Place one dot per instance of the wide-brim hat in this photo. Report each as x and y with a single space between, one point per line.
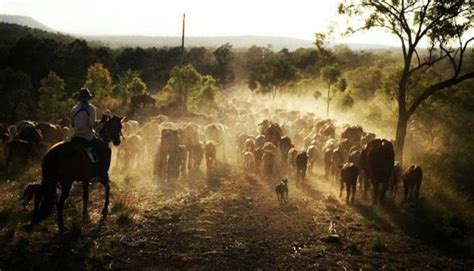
83 94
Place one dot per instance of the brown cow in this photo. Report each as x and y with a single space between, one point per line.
273 133
166 165
377 159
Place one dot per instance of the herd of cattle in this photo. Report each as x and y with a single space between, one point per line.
272 144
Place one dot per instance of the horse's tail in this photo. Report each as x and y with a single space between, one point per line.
46 196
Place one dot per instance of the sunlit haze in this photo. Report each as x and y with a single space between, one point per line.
297 19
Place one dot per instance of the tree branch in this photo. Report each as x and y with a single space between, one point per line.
430 62
437 87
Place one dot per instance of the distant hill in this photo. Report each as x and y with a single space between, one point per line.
24 21
11 33
277 43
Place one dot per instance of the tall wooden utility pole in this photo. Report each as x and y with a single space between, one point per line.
182 39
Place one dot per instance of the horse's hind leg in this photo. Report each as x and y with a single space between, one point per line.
106 184
66 188
85 200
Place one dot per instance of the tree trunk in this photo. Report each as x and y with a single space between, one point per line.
400 136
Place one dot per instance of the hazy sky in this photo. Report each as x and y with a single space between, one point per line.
295 18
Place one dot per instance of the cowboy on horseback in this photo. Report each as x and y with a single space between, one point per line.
66 163
83 120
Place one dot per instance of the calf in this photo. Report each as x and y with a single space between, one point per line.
281 190
412 182
349 175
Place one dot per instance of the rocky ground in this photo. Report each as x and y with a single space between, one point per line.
230 221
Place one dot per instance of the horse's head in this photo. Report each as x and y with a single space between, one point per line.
112 130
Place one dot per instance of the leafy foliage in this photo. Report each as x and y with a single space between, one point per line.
445 25
52 104
15 87
129 84
269 72
99 82
331 75
190 87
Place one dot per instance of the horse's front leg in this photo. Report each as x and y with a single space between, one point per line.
85 200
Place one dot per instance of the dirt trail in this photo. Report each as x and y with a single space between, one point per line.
230 222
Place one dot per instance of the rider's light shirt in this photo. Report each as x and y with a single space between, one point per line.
83 116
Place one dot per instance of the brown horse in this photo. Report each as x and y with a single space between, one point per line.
65 163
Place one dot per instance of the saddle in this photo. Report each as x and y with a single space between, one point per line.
85 146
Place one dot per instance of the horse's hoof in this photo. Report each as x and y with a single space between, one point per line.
105 212
86 219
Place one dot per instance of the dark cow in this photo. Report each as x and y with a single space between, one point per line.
349 175
301 165
377 160
273 133
327 130
30 134
353 134
345 146
27 146
52 134
142 100
412 182
367 137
